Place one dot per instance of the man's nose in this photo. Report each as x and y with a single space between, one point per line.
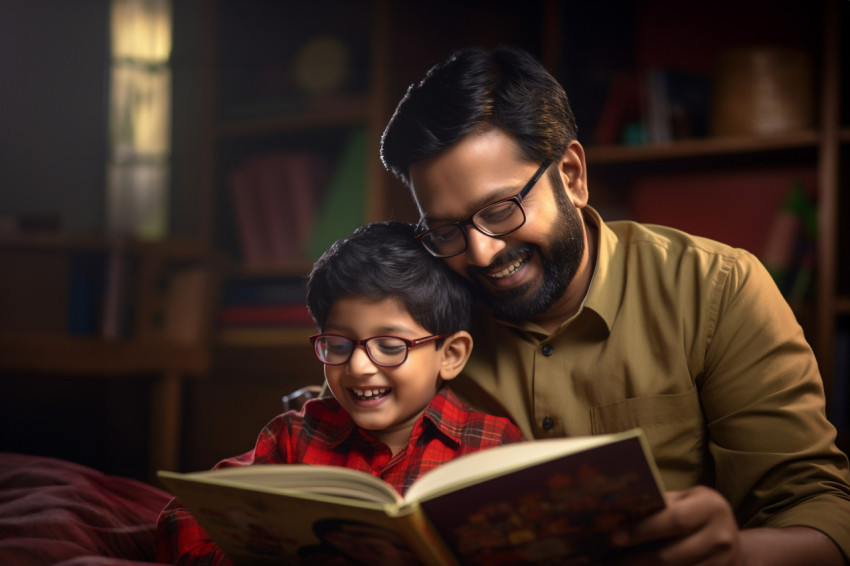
482 248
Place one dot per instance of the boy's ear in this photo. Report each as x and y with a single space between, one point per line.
456 350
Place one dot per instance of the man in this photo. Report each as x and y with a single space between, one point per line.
595 327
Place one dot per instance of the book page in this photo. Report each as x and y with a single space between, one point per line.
264 526
323 480
479 466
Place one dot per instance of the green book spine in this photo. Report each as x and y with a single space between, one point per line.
343 207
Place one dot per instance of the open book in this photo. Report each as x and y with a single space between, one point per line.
543 502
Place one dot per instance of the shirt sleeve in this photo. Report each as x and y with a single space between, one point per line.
180 539
772 445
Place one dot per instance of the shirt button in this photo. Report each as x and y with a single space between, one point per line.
547 350
548 423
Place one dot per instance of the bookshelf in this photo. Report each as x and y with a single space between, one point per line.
252 110
585 45
114 309
820 151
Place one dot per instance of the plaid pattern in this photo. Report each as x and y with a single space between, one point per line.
323 433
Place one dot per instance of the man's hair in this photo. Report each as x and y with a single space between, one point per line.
476 90
383 260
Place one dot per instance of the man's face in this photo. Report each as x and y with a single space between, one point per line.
525 273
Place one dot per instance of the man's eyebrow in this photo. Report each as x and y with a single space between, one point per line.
491 197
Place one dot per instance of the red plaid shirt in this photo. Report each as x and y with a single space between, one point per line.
323 433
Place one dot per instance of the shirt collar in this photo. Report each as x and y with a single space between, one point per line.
605 292
607 287
442 414
438 416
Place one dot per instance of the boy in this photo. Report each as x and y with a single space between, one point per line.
394 328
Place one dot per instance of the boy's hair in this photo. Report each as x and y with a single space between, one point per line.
476 90
384 260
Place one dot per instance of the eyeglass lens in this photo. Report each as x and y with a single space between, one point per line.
497 219
382 350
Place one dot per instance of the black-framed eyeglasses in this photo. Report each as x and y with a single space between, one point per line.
384 351
495 219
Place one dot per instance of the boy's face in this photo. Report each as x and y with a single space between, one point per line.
385 401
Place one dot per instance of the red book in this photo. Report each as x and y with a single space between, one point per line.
249 218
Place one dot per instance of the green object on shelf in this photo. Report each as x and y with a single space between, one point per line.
343 208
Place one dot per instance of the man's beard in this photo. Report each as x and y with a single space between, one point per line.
566 246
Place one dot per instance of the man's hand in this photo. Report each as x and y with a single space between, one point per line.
696 527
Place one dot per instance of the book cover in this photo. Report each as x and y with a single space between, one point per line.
270 175
250 223
676 105
87 287
542 502
343 207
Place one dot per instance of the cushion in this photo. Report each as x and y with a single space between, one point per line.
54 511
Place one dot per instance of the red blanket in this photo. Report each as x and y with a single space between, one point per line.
53 511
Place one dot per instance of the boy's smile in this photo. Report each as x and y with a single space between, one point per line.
386 401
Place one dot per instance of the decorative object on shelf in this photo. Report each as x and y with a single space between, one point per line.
762 91
322 66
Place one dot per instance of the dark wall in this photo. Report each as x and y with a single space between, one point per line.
53 85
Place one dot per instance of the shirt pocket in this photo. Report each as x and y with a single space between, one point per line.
675 428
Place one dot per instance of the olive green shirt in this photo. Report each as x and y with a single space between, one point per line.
691 340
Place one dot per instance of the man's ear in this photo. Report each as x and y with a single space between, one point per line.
456 350
573 169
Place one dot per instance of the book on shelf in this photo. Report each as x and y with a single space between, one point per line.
88 311
789 248
265 315
342 209
117 312
265 290
190 289
247 209
275 199
621 108
541 502
676 105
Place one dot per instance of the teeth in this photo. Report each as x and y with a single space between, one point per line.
509 270
370 393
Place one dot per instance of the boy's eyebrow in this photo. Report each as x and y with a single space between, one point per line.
380 331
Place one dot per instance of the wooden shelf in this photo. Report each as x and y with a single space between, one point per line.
690 148
79 355
340 111
265 337
293 268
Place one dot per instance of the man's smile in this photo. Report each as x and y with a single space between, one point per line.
511 268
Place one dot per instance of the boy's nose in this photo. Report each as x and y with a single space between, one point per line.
359 363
